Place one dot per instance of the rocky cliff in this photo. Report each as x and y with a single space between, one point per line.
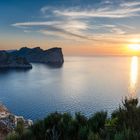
11 61
38 55
9 121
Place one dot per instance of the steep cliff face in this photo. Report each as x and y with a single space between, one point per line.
11 61
54 55
51 56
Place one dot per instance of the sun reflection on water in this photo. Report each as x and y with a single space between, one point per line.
133 76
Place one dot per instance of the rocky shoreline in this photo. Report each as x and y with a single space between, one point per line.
8 121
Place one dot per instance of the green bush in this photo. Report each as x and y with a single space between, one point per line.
97 121
12 136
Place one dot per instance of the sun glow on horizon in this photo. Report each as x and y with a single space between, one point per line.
135 44
135 47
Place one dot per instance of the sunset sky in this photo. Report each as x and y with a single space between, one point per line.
80 27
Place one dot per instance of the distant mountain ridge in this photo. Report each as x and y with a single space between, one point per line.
38 55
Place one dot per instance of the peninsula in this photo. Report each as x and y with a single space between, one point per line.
23 57
38 55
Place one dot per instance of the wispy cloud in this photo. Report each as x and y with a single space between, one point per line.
26 24
70 28
130 4
81 22
122 11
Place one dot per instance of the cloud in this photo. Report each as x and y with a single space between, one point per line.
122 11
107 9
44 9
70 28
77 22
118 31
26 24
130 4
65 34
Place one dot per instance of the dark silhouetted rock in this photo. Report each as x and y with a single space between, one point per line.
53 56
12 61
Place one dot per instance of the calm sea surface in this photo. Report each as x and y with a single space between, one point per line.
85 84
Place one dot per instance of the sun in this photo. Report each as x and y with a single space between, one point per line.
135 47
134 44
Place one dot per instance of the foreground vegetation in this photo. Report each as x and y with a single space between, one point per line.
124 124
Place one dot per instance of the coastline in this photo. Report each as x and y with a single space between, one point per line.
8 121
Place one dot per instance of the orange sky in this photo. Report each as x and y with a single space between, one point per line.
106 45
74 49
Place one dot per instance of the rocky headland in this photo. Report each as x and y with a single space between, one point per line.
38 55
23 57
8 60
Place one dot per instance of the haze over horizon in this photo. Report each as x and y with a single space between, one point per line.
99 27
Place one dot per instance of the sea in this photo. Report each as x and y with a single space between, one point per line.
82 84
